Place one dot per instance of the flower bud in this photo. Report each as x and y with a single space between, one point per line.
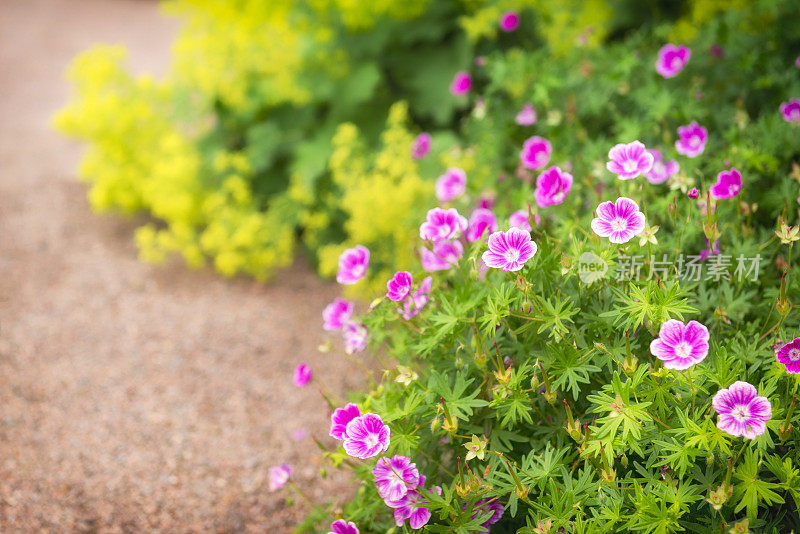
693 193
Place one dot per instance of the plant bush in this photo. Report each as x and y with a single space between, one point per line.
625 368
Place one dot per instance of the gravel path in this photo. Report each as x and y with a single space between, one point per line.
133 398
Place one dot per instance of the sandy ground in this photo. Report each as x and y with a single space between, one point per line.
133 398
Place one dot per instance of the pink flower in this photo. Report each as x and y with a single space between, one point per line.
302 375
451 184
535 152
629 160
407 507
395 476
485 505
527 116
462 83
399 286
797 61
340 418
353 265
681 345
421 146
279 476
519 219
741 411
728 185
692 140
791 110
355 337
509 21
481 223
693 193
618 221
661 170
672 59
712 249
340 526
366 436
444 256
487 200
336 314
414 304
441 224
789 355
509 250
552 187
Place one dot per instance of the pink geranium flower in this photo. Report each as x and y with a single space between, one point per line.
661 170
481 223
509 21
509 250
355 337
681 345
302 375
552 187
279 476
353 265
618 221
692 140
395 476
336 314
693 193
441 224
414 304
535 152
444 256
741 411
399 286
519 219
340 526
789 355
451 184
527 116
672 59
366 436
340 418
462 83
408 507
791 110
630 160
728 185
421 146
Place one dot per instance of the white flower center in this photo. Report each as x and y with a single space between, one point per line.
683 350
694 141
794 355
659 168
795 114
512 256
629 165
619 224
740 412
371 440
675 63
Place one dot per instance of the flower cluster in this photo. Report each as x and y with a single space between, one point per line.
362 436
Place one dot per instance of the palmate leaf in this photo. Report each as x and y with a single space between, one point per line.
460 403
570 369
752 490
654 301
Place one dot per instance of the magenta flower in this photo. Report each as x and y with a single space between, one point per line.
353 265
414 304
741 411
712 249
519 219
509 21
487 199
693 193
408 507
355 337
366 436
789 355
340 418
336 314
486 505
461 84
791 110
552 187
509 250
797 61
527 116
444 256
441 224
692 140
681 345
340 526
728 185
279 476
481 223
399 286
451 184
661 170
394 477
302 375
629 160
535 152
421 146
618 221
672 59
